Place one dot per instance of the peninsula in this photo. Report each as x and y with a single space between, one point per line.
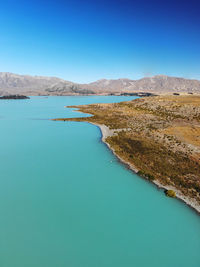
157 137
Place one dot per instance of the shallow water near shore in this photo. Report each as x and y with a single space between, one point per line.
65 200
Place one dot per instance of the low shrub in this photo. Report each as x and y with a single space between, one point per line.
170 193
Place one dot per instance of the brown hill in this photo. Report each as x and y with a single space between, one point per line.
37 85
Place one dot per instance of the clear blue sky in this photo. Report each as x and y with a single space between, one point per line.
83 41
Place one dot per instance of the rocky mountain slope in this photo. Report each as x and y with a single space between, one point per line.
163 83
155 84
11 83
37 85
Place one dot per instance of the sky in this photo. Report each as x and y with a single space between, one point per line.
83 41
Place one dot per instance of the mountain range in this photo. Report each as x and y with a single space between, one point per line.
11 83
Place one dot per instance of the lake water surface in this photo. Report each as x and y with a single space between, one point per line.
65 200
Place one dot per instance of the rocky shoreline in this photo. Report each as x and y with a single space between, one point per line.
106 132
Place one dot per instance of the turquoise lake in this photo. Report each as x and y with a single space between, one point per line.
66 201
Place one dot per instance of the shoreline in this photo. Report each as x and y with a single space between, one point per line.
105 132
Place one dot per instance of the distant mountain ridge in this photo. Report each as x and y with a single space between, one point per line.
11 83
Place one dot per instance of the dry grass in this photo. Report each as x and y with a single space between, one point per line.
189 134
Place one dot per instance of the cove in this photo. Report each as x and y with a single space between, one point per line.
65 200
